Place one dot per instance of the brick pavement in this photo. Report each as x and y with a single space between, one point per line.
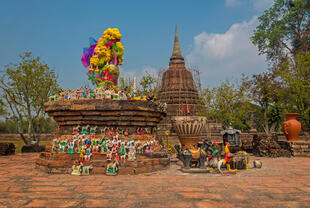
282 182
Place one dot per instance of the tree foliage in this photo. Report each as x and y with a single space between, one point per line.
227 104
2 108
284 30
295 94
147 84
25 86
263 90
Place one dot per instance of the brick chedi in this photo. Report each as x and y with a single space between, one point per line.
178 89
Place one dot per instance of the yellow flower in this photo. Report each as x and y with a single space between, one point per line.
112 34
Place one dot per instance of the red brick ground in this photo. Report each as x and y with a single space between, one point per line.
282 182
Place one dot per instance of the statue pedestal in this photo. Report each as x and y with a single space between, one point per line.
188 142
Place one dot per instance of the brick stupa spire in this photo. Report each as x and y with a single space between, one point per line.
178 89
176 53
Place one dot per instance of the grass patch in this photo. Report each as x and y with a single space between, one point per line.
19 144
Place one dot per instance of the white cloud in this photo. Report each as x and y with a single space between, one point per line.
221 56
258 5
261 5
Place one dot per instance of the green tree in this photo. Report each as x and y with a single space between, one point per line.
284 30
147 84
2 108
227 104
263 90
26 86
295 94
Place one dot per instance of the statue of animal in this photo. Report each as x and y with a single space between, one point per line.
113 167
191 156
225 161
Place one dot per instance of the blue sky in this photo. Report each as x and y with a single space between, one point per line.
214 34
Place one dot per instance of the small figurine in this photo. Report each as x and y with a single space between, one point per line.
76 169
112 168
115 141
76 130
122 150
131 156
215 150
95 149
93 141
116 96
140 131
63 146
126 133
81 158
226 160
104 146
88 142
87 158
148 149
71 148
84 130
116 157
131 151
91 94
123 157
109 155
85 169
93 130
55 144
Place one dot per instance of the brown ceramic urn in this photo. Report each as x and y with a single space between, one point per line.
291 127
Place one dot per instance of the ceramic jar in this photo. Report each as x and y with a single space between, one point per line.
291 127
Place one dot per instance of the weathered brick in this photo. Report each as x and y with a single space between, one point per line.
68 163
98 170
99 156
126 171
56 163
156 161
98 163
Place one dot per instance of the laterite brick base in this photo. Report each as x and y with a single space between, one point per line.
297 148
61 163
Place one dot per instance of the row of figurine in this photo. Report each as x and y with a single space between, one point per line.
98 93
79 168
108 131
86 145
115 149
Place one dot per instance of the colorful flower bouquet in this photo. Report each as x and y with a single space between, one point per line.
102 58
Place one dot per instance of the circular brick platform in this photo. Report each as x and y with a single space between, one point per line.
124 114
